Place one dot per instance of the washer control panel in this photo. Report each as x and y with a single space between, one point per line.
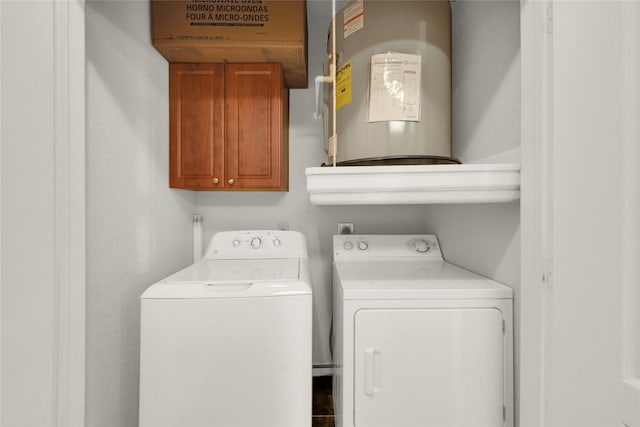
257 244
357 246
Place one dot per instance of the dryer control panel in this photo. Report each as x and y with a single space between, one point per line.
388 246
257 244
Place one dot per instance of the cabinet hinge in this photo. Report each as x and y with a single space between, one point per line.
504 413
504 327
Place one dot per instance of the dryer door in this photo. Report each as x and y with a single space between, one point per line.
429 367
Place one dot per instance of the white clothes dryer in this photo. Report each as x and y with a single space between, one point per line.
418 341
227 341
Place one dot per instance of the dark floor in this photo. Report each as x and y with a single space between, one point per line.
322 402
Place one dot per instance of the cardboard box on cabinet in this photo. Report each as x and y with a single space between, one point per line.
234 31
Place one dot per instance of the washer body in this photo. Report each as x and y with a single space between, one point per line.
227 341
418 341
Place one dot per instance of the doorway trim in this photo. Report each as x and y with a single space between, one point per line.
69 211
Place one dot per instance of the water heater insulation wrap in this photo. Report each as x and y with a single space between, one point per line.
371 28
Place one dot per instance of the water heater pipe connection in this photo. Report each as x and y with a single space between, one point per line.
198 237
321 107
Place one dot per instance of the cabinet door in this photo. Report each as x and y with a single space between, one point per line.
196 111
429 368
256 139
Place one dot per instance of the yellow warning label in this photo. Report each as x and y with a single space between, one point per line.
343 85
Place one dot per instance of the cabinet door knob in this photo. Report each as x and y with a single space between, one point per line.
216 180
230 181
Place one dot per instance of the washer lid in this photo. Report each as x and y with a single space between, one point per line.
411 278
238 270
225 290
235 278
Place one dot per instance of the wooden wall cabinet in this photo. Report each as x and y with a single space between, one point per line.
229 127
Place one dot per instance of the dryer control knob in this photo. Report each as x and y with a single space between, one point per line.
348 245
276 242
256 243
363 246
236 243
422 246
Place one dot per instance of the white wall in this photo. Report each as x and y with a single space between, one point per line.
138 230
28 241
486 80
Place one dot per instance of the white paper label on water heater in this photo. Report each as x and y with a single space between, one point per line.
394 89
353 18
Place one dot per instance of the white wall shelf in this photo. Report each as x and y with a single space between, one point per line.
424 184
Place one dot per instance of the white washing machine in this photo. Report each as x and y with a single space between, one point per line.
418 341
226 342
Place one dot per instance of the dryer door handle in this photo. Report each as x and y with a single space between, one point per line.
372 371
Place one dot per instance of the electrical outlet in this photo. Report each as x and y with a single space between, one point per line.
346 228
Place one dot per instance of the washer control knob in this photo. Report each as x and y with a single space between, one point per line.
276 242
422 246
236 243
256 243
363 246
348 245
